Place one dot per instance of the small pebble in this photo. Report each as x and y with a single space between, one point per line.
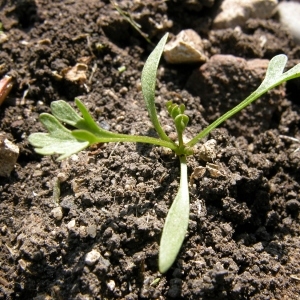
71 225
111 285
57 213
289 13
22 264
232 13
186 47
92 257
62 177
92 231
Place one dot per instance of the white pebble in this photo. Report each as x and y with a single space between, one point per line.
111 285
92 257
234 13
289 17
71 224
57 213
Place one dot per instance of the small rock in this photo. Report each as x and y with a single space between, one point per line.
186 47
71 225
92 257
82 231
207 151
4 229
92 231
9 154
111 285
289 13
57 213
22 264
287 221
62 177
3 37
76 73
234 13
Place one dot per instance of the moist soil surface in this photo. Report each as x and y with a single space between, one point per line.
243 235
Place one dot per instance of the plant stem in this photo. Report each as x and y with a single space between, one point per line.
224 117
110 137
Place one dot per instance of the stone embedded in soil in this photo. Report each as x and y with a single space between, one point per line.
111 285
71 225
92 257
186 47
92 231
289 17
57 213
76 73
234 13
9 154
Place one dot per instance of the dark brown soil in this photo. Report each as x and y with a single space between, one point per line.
243 237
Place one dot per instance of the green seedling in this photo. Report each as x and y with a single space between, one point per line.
65 142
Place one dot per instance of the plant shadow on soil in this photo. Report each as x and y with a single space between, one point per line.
242 241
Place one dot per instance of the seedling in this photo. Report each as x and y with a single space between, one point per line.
65 142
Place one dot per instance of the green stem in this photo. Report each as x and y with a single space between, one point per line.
114 138
273 78
255 95
180 140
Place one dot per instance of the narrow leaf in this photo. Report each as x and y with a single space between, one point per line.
176 223
148 81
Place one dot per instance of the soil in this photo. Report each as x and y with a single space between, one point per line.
243 236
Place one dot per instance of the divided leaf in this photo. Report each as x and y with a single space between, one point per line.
59 140
65 113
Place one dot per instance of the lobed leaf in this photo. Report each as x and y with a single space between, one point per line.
59 140
65 113
275 76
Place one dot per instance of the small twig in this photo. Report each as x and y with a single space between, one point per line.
289 138
130 20
113 150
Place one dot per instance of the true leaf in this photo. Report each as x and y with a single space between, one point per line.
65 113
58 140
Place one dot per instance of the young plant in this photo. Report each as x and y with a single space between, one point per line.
65 142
